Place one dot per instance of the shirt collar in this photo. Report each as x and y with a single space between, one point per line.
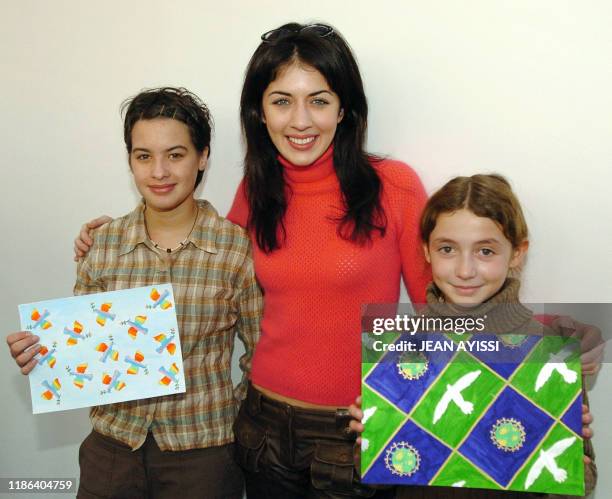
203 235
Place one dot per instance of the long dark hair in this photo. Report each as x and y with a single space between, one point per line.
265 185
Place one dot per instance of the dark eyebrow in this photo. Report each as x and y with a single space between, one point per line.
483 241
176 147
287 94
488 241
142 149
320 92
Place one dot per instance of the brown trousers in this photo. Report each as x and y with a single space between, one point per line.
288 452
111 469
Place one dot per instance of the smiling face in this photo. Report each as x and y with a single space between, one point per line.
164 162
301 113
470 257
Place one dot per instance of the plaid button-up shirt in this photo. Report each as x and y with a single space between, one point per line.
216 296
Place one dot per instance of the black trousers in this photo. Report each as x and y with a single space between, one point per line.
111 469
289 452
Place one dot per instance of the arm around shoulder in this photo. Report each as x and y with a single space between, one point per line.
250 309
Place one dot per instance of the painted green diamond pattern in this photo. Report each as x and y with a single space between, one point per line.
486 431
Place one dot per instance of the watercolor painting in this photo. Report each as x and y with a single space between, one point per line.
104 348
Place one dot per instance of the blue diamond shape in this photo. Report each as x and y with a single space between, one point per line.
508 359
405 393
573 416
479 447
432 455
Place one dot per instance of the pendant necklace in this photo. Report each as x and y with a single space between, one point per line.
181 245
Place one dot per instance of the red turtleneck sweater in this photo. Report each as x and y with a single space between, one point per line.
315 284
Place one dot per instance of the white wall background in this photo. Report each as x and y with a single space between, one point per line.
523 88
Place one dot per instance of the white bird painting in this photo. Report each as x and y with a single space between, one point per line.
365 444
546 459
453 392
368 413
460 483
556 362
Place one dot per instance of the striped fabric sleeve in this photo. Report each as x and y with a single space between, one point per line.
248 325
85 284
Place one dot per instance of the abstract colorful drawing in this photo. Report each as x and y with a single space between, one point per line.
52 390
165 342
170 375
136 326
40 320
46 356
136 363
103 313
92 360
79 375
108 352
160 300
114 382
473 419
75 334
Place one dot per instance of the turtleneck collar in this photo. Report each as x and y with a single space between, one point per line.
504 313
318 174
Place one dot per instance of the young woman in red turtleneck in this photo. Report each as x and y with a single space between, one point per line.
333 228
